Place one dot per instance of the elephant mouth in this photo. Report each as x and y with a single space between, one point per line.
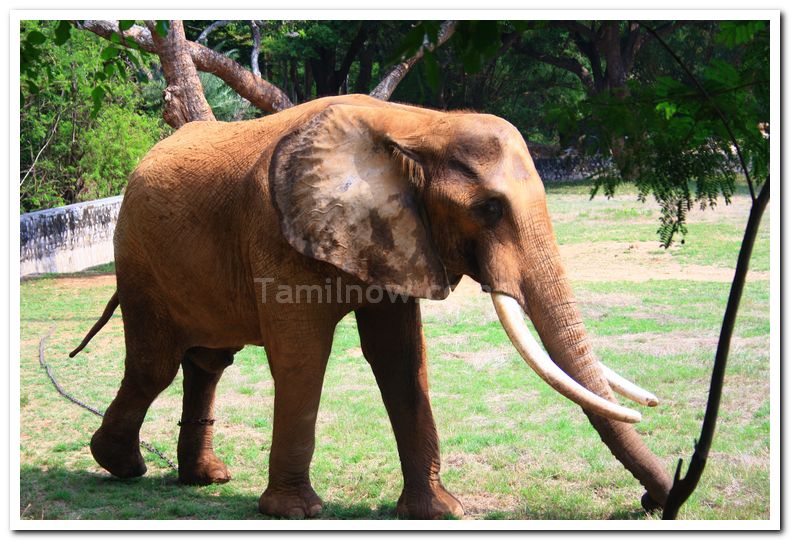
511 316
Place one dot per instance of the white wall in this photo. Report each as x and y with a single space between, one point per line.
68 239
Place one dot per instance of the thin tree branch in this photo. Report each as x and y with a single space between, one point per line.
46 144
565 63
209 29
389 82
351 53
256 48
259 92
683 487
711 102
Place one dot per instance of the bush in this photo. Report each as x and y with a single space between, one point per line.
113 148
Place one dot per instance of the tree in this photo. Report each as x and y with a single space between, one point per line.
69 148
185 100
178 71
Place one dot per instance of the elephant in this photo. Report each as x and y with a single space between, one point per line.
350 191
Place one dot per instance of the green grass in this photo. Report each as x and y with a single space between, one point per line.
511 447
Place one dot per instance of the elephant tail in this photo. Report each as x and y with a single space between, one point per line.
112 304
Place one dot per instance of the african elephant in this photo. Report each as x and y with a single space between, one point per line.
351 192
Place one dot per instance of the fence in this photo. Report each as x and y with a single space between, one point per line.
68 239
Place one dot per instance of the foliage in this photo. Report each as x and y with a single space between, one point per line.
659 130
669 138
112 148
70 149
226 104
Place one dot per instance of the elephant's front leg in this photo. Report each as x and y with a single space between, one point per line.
391 335
298 359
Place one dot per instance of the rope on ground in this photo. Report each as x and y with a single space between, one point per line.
41 346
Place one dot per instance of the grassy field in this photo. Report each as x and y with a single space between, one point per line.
511 447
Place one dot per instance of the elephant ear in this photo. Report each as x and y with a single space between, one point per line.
346 188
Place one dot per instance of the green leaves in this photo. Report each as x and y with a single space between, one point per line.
36 38
97 96
424 33
476 42
668 137
109 52
62 32
125 25
431 69
733 33
414 40
162 28
667 108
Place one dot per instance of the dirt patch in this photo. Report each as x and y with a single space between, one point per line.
465 298
479 504
86 282
656 344
499 402
614 261
481 360
355 353
742 397
459 460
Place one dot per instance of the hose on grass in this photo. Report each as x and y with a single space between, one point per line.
41 346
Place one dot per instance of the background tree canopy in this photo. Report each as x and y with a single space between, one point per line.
92 92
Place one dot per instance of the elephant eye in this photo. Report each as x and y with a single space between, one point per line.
491 211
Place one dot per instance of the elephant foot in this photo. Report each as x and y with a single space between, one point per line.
120 457
430 504
290 502
205 470
649 504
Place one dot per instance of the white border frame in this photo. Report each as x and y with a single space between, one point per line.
773 523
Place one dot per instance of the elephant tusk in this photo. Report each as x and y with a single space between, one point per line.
626 388
512 318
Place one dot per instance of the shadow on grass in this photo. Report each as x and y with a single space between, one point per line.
60 493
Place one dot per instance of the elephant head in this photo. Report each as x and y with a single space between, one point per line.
412 199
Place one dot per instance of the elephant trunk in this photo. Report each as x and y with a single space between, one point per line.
548 300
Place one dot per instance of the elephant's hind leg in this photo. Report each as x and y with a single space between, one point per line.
198 465
116 445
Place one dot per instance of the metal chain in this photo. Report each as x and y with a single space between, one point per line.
147 446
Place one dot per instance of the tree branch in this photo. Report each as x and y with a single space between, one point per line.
389 82
354 48
259 92
46 144
565 63
256 48
209 29
683 487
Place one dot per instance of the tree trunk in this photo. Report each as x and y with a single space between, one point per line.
308 82
184 99
299 96
363 83
616 74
